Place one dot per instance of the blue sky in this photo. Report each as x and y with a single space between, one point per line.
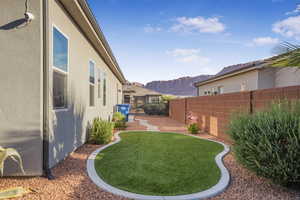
167 39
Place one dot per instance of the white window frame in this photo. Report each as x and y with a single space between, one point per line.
90 83
54 68
104 96
156 101
99 83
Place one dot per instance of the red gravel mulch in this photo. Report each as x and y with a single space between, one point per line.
72 181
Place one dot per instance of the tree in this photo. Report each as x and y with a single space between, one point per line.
288 55
166 98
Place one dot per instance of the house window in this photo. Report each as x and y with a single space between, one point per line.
127 99
104 89
99 83
154 100
92 82
220 90
60 69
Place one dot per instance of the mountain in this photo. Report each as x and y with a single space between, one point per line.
179 87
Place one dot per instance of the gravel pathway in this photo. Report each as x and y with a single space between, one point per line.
72 181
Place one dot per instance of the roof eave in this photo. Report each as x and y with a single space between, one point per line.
153 95
83 16
225 76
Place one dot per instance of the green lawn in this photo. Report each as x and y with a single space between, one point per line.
159 163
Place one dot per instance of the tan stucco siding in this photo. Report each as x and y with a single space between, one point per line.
266 78
68 127
21 85
287 76
232 84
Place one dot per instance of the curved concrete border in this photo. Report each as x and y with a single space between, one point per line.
213 191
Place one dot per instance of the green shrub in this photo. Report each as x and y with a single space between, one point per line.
167 98
193 128
268 142
155 109
118 117
101 131
120 125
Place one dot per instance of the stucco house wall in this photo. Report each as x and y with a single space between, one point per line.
232 84
287 76
262 78
266 78
68 127
26 84
21 108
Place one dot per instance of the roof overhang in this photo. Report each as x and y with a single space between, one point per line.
153 95
225 76
84 18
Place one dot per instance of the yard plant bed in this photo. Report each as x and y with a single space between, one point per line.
155 163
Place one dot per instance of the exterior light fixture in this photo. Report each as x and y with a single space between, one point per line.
29 17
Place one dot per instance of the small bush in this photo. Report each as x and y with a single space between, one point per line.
268 142
101 132
193 128
120 125
155 109
118 117
119 121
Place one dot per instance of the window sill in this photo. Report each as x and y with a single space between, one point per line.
61 109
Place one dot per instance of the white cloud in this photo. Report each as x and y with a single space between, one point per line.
151 29
198 24
262 41
296 11
190 56
289 27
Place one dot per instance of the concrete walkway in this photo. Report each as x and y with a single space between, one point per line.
149 126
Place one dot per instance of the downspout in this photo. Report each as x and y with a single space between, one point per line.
46 169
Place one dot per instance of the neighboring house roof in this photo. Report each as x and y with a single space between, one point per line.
233 69
275 61
81 13
139 91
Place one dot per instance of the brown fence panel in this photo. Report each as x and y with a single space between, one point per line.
262 99
177 110
214 112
